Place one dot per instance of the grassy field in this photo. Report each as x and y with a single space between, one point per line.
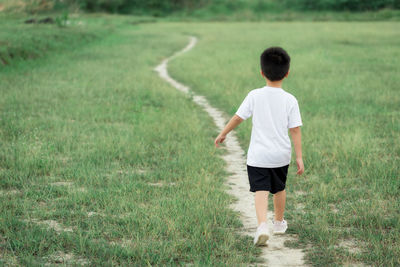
37 39
103 163
119 165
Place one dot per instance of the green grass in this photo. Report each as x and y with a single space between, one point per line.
100 118
37 40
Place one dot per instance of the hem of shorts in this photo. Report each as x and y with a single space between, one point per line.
269 166
263 189
258 189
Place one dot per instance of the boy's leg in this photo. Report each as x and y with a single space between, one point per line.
279 204
261 203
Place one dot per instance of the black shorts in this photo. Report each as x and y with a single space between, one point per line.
268 179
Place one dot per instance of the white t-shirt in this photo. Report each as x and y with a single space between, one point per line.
274 111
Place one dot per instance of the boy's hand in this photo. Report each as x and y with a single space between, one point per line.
300 166
235 121
220 138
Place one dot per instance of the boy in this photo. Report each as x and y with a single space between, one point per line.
274 111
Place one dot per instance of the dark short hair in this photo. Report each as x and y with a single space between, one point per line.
275 63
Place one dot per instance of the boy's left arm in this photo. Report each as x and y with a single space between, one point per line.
296 138
235 121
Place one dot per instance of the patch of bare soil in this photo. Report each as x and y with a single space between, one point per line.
65 183
350 245
122 242
51 224
9 192
161 184
63 258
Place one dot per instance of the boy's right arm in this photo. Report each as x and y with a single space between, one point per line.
296 138
235 121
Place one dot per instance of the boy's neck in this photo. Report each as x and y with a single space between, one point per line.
277 84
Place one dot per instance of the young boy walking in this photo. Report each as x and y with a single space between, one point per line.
274 112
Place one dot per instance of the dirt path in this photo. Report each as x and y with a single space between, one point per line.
275 254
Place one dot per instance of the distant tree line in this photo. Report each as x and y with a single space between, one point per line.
138 6
164 7
344 5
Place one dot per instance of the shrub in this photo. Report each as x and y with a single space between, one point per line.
127 6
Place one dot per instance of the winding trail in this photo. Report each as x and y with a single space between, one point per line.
275 254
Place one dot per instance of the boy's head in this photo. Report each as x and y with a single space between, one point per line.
275 63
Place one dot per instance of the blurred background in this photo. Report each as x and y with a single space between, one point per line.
201 8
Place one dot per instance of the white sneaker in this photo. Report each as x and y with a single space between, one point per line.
280 227
262 235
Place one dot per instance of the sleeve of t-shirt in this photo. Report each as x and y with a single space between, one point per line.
294 116
245 110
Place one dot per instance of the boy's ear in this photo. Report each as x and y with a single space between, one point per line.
262 73
287 74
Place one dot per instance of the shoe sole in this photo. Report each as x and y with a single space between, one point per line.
279 232
262 239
